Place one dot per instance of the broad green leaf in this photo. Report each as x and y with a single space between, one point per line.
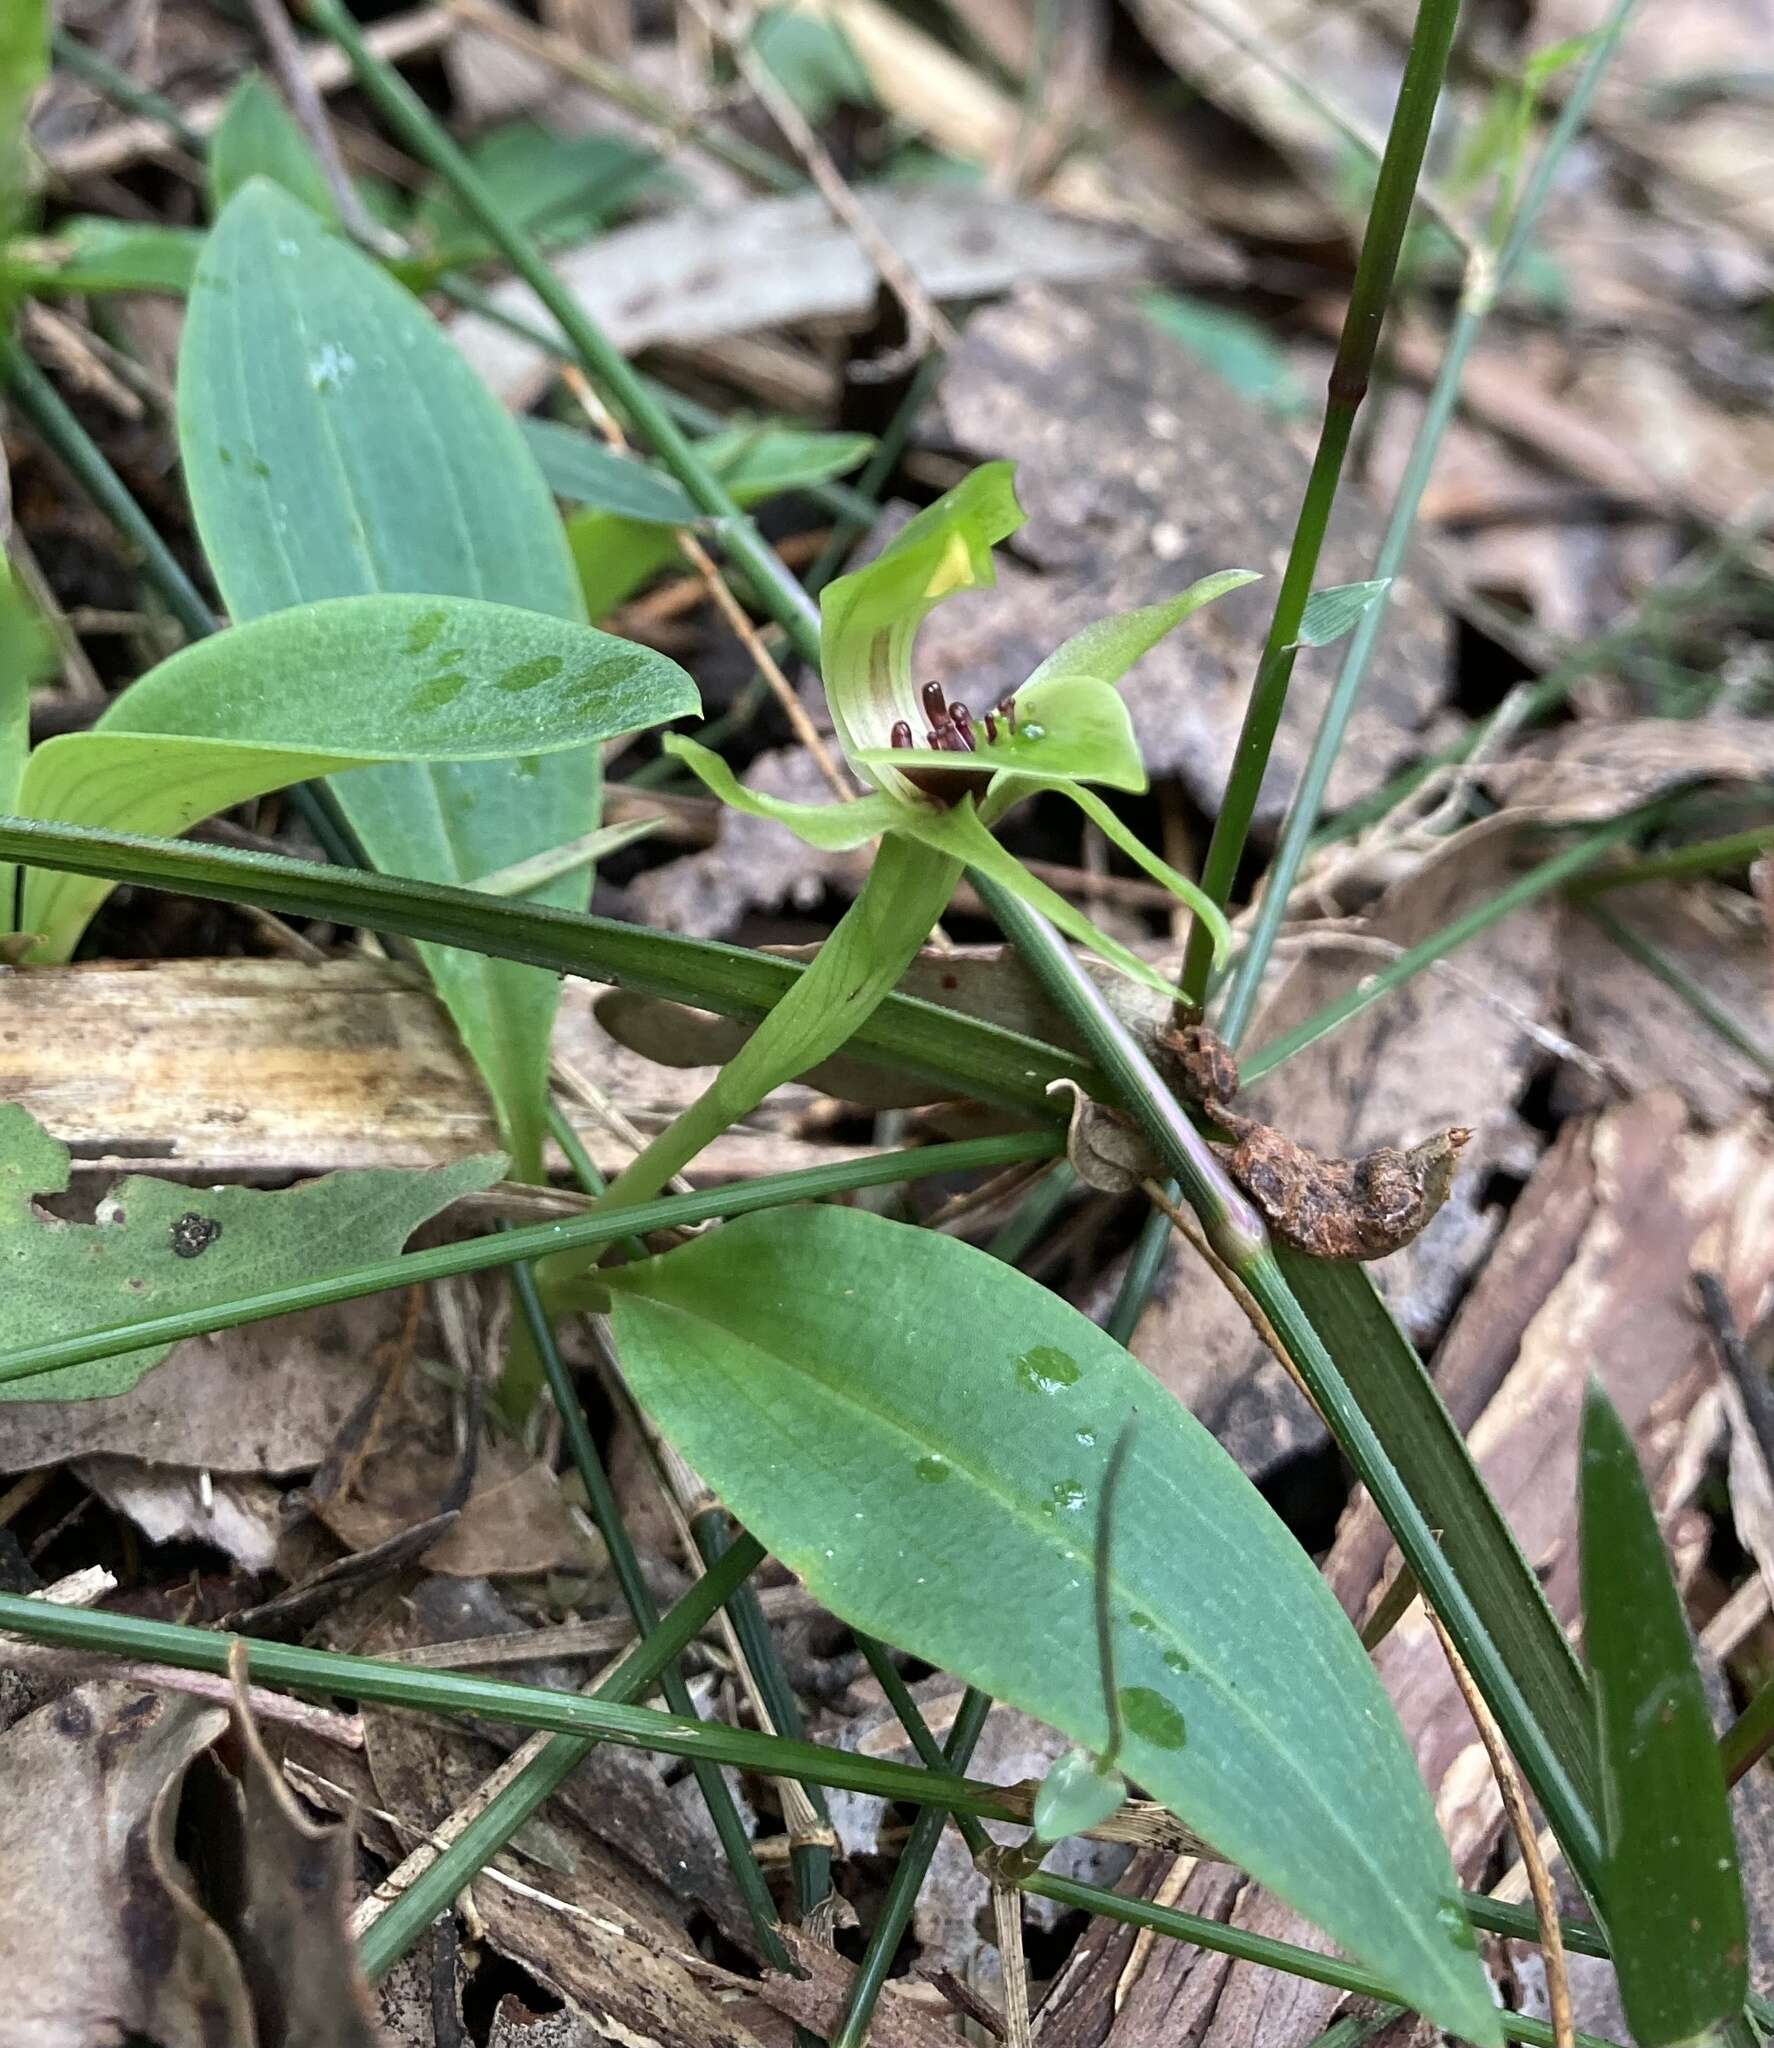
258 138
91 253
336 444
1671 1894
168 1247
917 1431
555 187
615 556
1329 614
588 473
324 687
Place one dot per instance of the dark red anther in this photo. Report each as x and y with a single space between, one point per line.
962 720
991 725
901 735
1007 705
935 707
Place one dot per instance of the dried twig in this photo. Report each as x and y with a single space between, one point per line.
726 603
299 88
1515 1804
113 149
926 319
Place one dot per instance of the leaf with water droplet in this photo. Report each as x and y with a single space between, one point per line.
847 1348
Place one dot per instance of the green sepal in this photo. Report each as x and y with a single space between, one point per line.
832 827
1108 648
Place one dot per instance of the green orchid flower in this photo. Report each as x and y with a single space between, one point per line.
944 775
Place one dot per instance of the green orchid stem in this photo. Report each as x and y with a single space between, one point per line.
607 1514
388 1938
534 1241
1412 116
873 943
1679 981
1240 1239
736 536
1487 279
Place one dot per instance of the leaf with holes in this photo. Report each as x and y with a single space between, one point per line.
159 1247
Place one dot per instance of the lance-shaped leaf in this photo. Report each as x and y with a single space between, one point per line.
870 618
919 1432
1672 1896
335 444
323 687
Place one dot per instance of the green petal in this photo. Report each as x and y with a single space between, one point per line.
1179 885
1110 647
1069 729
959 832
869 618
831 827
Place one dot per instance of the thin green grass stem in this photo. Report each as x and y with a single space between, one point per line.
97 70
1749 1737
389 1937
606 366
852 2030
1413 115
1145 1263
533 1241
601 1499
1487 278
1676 978
1547 875
1731 851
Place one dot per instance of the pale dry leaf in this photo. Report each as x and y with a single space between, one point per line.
239 1516
401 1465
1585 773
1644 1033
701 274
99 1935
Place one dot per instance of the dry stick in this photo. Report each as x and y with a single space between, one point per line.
326 1724
674 125
1515 1804
399 37
926 319
1007 1927
726 603
303 94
